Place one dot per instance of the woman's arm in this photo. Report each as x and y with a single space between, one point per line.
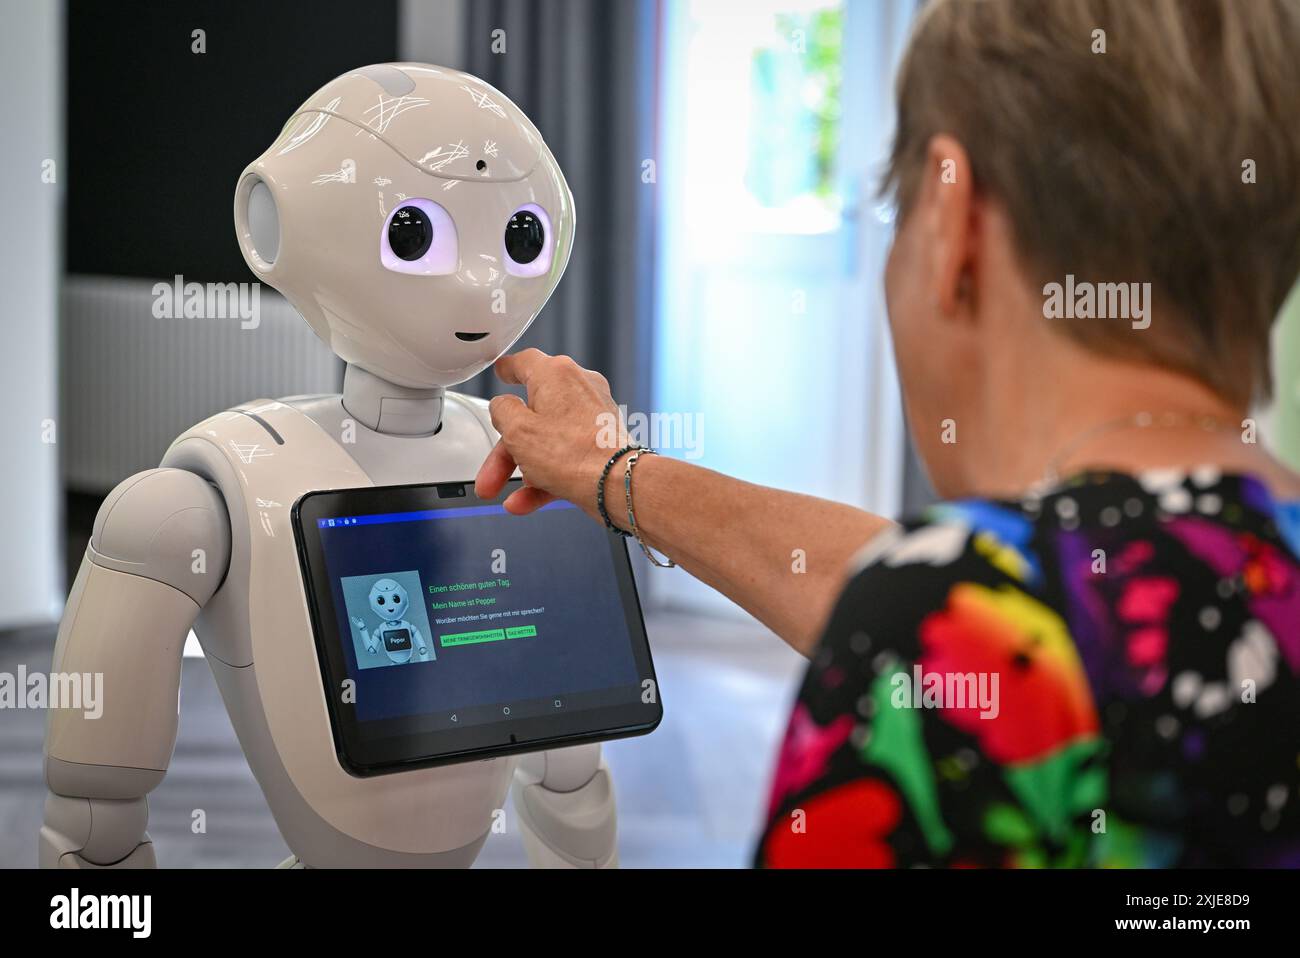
780 555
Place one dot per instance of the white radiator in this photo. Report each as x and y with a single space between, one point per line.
130 383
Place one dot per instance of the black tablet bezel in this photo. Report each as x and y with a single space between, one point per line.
365 755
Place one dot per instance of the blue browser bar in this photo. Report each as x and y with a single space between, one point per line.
425 514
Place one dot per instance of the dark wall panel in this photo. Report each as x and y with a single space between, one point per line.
157 134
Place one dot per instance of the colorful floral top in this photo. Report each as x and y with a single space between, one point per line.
1104 675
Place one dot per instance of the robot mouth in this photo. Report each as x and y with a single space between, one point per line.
470 337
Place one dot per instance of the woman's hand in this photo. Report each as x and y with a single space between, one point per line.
560 440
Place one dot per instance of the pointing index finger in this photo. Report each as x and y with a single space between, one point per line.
517 368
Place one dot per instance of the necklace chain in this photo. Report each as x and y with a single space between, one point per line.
1141 420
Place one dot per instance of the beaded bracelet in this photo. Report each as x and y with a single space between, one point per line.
631 513
600 488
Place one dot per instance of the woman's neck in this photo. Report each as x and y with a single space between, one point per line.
1121 417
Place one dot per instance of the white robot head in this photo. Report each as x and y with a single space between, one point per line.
388 600
413 216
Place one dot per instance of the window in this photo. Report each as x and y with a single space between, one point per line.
770 331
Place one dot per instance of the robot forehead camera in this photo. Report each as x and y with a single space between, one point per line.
413 216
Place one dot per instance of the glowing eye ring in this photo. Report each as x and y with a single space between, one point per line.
540 264
438 251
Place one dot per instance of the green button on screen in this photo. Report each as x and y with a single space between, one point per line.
488 635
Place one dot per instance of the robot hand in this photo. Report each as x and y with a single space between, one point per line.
420 644
565 802
365 636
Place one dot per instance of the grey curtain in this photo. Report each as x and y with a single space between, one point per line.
584 71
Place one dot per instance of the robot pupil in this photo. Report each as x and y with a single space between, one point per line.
410 234
524 237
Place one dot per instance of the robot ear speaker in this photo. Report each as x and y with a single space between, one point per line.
261 226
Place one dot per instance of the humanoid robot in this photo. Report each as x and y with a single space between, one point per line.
414 217
401 641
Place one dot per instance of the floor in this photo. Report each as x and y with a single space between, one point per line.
689 795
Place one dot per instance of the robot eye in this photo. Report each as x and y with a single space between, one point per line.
410 234
397 600
419 237
528 242
525 237
381 600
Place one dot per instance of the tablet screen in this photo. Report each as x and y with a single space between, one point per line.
448 629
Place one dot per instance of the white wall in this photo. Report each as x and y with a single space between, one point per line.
31 55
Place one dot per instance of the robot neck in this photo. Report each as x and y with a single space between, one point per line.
394 410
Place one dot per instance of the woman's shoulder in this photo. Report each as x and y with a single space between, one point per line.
1009 533
1083 557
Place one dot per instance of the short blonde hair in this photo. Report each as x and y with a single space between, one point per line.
1131 164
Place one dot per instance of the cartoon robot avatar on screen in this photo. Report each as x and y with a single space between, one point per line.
400 640
417 221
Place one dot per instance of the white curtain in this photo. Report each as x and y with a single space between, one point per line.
770 327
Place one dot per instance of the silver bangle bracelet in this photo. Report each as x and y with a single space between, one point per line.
631 512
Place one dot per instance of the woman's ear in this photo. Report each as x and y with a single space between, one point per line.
947 204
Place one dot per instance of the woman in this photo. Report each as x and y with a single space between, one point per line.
1089 655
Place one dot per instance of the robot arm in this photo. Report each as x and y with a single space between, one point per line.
564 799
366 639
417 639
159 551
